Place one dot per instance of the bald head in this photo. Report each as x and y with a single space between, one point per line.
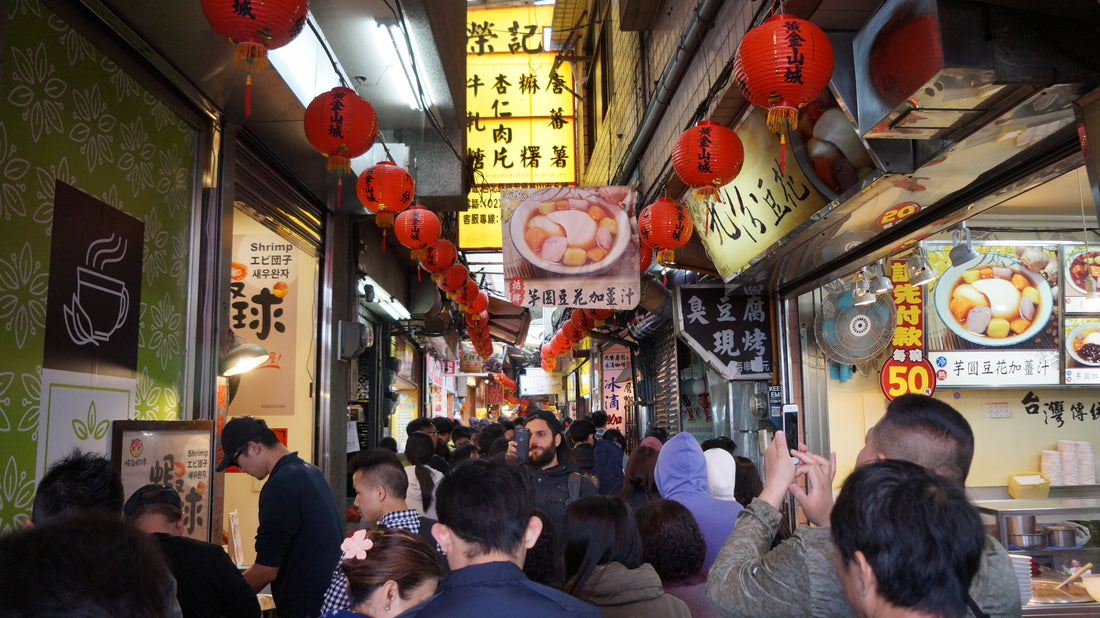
925 431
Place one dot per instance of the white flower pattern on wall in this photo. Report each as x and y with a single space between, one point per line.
125 85
156 246
47 181
77 47
93 127
16 496
38 91
23 286
32 402
11 188
147 394
6 379
137 155
165 327
173 181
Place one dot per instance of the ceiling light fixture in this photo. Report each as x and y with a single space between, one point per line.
242 356
881 284
384 299
920 273
963 250
400 54
861 294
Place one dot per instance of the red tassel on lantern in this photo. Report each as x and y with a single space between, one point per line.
417 228
438 257
340 125
665 225
708 156
255 27
781 65
385 189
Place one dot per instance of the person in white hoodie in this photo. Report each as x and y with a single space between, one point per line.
721 473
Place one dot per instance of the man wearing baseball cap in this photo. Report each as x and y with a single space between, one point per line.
299 535
208 584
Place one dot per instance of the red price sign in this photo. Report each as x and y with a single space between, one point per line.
896 213
898 378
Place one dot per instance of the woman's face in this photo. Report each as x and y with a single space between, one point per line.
385 601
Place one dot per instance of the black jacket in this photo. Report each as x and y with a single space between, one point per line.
552 490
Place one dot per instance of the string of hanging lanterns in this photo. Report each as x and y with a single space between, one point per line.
341 125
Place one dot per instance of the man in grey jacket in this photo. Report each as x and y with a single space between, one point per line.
797 577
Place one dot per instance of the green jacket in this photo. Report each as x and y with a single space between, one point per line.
796 578
620 592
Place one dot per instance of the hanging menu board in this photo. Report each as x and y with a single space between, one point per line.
731 332
176 453
992 319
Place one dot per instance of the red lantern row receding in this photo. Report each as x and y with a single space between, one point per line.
572 333
385 189
255 27
599 315
454 279
479 304
340 125
417 228
477 318
466 294
781 65
438 257
582 320
665 225
708 156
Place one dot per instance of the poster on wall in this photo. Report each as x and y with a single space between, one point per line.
1082 346
617 375
571 247
993 319
731 332
174 453
263 305
89 359
1081 263
403 412
907 370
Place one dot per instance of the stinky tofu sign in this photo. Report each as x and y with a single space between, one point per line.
732 333
761 206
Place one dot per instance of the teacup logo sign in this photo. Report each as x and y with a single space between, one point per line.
100 304
95 287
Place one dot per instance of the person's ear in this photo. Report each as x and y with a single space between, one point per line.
179 526
531 535
880 457
557 440
443 536
380 493
866 581
390 592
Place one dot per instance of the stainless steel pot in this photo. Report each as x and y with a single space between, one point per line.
1019 524
1061 536
1035 540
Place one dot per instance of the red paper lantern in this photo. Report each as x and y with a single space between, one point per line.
438 257
454 278
599 315
466 294
667 225
385 189
546 352
644 228
340 125
781 65
416 228
708 156
646 258
571 332
479 304
477 318
581 319
558 343
255 27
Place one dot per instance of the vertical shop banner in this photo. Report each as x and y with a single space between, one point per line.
617 375
89 361
175 453
263 303
907 370
403 412
571 247
494 396
993 320
730 332
759 207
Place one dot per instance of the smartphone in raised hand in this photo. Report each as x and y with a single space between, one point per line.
790 426
522 438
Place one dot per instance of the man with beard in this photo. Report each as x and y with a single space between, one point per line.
556 479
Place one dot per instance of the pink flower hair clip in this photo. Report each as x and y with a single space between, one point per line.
356 546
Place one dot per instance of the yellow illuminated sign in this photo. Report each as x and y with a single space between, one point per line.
521 152
479 225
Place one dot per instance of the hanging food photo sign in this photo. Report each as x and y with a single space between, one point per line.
907 370
571 247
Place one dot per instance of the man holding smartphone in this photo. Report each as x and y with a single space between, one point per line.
557 481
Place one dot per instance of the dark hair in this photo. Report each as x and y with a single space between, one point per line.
463 452
747 484
543 563
388 443
499 446
506 423
91 565
487 436
170 512
487 503
658 432
419 450
580 430
927 432
638 474
919 533
443 424
419 424
79 482
397 555
598 529
598 418
384 468
671 539
616 436
723 442
461 431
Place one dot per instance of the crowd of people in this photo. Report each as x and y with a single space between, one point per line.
464 523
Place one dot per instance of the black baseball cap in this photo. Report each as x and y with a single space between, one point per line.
153 493
237 433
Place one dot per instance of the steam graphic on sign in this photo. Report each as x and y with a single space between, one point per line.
100 304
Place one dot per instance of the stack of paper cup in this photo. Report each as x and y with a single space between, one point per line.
1086 466
1050 464
1068 449
1021 565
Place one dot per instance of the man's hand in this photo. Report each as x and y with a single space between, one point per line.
259 575
819 471
779 471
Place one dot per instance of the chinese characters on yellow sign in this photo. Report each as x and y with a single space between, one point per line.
520 114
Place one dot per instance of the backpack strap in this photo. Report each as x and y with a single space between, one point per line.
574 487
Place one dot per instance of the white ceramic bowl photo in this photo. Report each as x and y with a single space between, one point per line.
573 231
1088 332
1077 268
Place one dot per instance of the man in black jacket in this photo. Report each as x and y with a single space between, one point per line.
556 479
